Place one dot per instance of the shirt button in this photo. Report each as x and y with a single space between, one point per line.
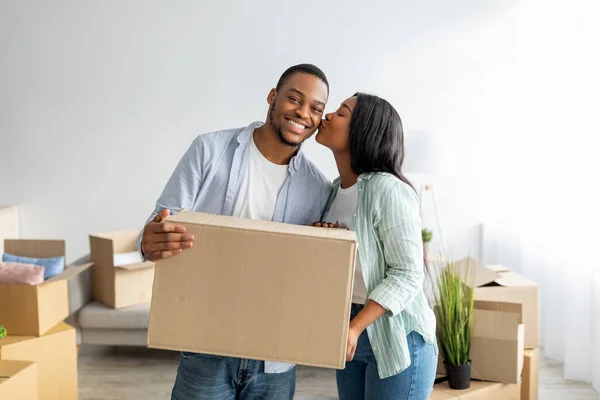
355 214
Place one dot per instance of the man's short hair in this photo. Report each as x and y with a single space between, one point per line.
304 69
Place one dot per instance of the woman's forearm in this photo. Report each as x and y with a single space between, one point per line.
367 316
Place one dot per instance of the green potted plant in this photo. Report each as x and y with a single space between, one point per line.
454 308
2 331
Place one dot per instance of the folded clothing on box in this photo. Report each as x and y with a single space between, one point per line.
127 258
52 266
28 274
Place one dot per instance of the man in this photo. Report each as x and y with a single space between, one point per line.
256 172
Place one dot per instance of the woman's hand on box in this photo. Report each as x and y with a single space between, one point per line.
162 239
323 224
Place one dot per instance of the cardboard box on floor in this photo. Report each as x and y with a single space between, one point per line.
531 375
477 391
497 343
256 289
18 380
35 309
9 224
119 286
497 283
55 355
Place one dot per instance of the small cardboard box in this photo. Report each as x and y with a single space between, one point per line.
114 285
18 380
497 343
497 346
256 289
55 354
497 283
477 391
9 224
34 309
531 375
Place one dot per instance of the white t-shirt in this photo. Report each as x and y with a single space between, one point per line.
260 188
342 209
256 200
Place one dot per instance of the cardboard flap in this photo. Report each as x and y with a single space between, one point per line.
10 368
497 268
483 275
197 218
122 241
70 272
501 306
131 267
35 248
496 325
512 279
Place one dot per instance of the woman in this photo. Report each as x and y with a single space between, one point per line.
392 351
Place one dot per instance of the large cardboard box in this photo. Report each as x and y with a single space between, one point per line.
18 380
34 309
497 343
55 355
117 285
497 283
477 391
256 289
531 375
9 224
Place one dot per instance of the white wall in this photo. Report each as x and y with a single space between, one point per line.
98 100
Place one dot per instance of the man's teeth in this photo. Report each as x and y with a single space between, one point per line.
297 125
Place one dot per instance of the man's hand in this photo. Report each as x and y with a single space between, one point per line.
162 239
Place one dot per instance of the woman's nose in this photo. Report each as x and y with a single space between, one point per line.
328 116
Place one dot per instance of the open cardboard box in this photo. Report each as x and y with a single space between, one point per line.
256 289
55 354
114 285
34 309
497 347
18 380
497 283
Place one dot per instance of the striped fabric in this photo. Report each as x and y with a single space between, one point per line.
388 228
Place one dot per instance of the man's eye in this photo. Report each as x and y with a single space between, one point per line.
317 110
295 100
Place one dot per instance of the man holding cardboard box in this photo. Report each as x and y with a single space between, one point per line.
257 172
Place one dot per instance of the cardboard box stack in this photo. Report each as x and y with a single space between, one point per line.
33 317
120 278
506 328
287 287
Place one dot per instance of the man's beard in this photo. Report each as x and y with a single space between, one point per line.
278 130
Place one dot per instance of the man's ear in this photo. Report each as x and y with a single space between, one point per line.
272 96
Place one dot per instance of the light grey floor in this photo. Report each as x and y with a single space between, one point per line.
132 373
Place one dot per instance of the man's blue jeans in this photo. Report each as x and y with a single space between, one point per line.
208 377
